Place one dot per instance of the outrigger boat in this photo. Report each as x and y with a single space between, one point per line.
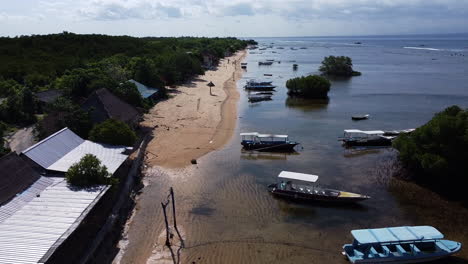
360 117
309 192
267 142
356 137
259 86
404 244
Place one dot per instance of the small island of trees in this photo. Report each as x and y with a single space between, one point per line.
309 87
436 153
340 66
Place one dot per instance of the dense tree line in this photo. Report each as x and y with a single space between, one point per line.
78 65
436 153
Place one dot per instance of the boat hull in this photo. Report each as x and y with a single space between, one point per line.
298 196
367 142
260 88
280 147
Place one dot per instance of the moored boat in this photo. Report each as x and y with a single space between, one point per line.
355 137
267 142
404 244
260 86
360 117
308 192
244 65
265 62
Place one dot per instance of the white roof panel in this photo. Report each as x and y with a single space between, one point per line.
272 136
36 220
367 132
249 134
61 150
49 150
110 156
298 176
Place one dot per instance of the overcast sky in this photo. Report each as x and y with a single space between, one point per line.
240 18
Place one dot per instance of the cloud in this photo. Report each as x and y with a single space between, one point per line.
241 9
125 9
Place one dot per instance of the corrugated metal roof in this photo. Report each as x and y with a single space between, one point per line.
38 220
61 150
54 147
110 156
144 90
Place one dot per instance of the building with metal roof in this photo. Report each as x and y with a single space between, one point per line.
16 175
146 91
38 220
105 105
59 151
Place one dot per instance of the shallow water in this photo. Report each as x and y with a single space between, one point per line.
223 205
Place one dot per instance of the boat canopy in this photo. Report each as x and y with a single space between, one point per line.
271 136
256 134
367 132
249 134
396 234
298 176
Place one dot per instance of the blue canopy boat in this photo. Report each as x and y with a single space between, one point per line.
404 244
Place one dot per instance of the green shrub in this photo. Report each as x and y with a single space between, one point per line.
437 152
312 87
87 172
113 132
338 66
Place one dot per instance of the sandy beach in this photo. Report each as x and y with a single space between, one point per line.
193 122
187 126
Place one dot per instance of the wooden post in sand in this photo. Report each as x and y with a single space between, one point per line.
174 216
168 243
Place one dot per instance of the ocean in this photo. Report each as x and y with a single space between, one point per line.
227 213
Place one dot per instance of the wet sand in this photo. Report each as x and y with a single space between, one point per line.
187 126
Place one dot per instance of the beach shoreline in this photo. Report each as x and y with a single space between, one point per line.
187 126
194 122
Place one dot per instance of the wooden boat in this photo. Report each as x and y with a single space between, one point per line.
259 97
267 142
287 189
398 132
404 244
259 86
265 62
360 117
355 137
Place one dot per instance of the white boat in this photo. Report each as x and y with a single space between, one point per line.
404 244
259 86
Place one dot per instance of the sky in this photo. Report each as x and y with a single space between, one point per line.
238 18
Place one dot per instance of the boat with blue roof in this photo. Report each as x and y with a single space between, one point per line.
404 244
